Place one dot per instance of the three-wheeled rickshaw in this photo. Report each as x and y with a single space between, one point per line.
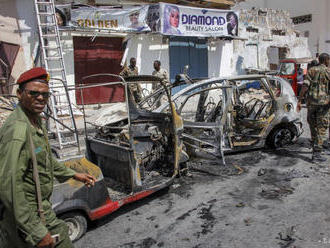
293 70
131 158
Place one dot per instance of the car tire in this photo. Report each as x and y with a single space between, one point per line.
77 224
280 137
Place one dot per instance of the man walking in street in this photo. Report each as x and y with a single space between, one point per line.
27 171
318 104
161 73
132 70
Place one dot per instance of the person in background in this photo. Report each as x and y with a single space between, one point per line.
300 78
161 73
132 70
318 104
28 219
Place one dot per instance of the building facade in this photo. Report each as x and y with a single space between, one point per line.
311 19
256 46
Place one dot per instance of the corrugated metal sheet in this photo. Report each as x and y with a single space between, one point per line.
93 56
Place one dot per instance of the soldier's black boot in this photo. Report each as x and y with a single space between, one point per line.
317 158
326 147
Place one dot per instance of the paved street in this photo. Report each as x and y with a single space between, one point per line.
280 200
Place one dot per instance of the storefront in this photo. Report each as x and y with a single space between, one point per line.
175 35
212 42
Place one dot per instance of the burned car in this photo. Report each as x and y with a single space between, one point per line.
153 99
223 115
131 157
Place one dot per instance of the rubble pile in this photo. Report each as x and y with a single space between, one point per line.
6 107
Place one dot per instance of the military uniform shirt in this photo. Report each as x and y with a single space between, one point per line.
17 188
163 75
129 71
135 88
317 81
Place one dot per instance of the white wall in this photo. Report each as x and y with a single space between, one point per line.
225 57
319 28
146 49
219 57
16 30
27 24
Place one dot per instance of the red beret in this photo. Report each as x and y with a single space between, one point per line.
34 73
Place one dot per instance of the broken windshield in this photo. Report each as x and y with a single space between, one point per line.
287 69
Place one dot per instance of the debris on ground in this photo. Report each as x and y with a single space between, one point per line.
240 170
287 237
174 186
215 168
262 172
277 184
276 193
248 221
240 205
208 220
295 173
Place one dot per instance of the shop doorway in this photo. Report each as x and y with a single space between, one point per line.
99 55
8 54
190 51
275 55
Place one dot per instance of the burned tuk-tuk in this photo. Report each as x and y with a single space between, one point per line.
131 158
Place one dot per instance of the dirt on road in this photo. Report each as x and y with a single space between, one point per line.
261 198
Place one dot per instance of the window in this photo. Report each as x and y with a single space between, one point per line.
278 32
287 69
252 30
302 19
200 104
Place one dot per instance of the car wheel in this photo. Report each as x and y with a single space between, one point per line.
77 224
280 137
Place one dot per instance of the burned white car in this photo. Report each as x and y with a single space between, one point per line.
237 113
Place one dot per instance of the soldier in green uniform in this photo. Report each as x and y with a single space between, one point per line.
132 70
21 223
318 104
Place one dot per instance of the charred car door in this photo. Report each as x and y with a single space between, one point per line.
206 112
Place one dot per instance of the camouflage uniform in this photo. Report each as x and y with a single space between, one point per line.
318 104
162 74
135 88
21 226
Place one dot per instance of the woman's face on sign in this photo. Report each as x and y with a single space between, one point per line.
174 18
232 21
